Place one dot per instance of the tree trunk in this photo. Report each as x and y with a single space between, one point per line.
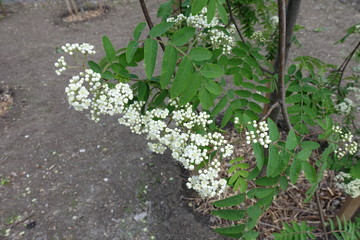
349 208
68 5
292 12
73 6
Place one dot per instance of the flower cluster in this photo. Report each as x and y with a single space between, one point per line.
274 21
220 40
61 64
178 20
345 107
83 48
260 134
348 145
188 147
351 187
200 22
207 181
258 36
208 32
88 91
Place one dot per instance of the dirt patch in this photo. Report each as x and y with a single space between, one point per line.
6 99
88 14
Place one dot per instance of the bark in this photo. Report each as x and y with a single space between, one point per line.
69 8
292 12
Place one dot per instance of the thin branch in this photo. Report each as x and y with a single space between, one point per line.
233 20
346 62
149 22
282 60
275 105
321 214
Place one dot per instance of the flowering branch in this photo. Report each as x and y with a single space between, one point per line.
149 22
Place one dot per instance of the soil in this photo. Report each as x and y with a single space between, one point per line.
65 177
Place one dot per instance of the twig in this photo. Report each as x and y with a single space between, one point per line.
282 60
149 22
275 105
233 20
321 214
346 62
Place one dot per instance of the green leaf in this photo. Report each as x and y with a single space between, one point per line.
291 141
137 32
259 155
309 145
273 162
191 89
200 54
94 66
227 116
168 65
206 99
283 183
254 212
246 73
310 172
247 85
355 171
304 154
292 69
212 71
237 229
197 6
231 201
260 98
263 89
255 107
165 10
211 9
130 50
266 181
260 192
107 75
213 87
109 49
295 170
251 235
120 69
160 29
182 36
143 91
150 53
223 14
229 214
243 93
273 130
182 77
220 106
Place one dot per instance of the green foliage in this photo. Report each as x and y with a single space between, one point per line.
295 231
235 86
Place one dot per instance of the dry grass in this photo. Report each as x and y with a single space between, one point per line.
88 14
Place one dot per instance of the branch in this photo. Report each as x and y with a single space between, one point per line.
346 62
233 20
275 105
282 60
149 22
321 214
